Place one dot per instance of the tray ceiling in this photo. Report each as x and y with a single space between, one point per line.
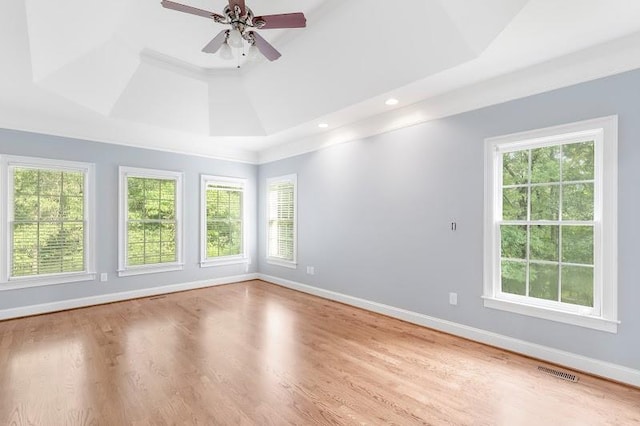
137 69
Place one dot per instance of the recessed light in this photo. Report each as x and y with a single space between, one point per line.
391 102
323 125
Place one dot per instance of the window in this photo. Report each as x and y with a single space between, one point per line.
150 221
222 221
49 222
281 218
551 232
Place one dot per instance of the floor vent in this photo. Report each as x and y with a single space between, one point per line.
559 374
157 297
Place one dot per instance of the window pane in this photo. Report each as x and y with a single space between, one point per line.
135 253
545 165
25 207
168 232
50 182
151 233
578 161
545 202
25 181
167 210
544 242
235 205
514 241
168 252
577 285
73 184
50 207
152 188
577 244
73 207
577 201
24 250
514 277
514 204
151 209
168 190
515 168
543 281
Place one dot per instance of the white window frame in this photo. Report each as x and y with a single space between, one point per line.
241 184
604 315
123 269
272 260
7 163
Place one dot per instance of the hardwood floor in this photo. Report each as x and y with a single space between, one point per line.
254 353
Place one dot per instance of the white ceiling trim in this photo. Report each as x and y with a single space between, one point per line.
589 64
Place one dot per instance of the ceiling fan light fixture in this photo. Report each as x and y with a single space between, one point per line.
235 39
225 52
253 53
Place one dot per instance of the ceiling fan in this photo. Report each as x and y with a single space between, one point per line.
242 20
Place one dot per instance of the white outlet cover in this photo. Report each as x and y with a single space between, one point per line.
453 298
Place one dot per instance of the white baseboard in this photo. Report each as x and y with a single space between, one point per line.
64 305
570 360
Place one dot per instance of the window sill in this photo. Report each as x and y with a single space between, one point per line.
284 263
45 280
150 269
587 321
224 261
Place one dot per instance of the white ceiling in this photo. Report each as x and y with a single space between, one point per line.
131 72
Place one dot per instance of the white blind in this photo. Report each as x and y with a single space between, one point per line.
281 226
48 226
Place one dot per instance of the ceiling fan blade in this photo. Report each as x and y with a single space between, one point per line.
285 20
265 48
214 45
243 8
188 9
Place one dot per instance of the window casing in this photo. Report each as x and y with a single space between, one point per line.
150 234
48 227
550 231
282 221
222 227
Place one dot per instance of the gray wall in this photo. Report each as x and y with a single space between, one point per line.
374 216
107 159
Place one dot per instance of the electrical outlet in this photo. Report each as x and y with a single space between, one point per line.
453 298
104 277
311 270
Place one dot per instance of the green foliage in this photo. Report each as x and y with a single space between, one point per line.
48 226
577 201
577 244
545 165
544 242
514 203
514 277
558 180
578 162
543 281
545 202
514 241
515 168
575 288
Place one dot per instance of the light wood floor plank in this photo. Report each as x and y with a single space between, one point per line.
254 353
